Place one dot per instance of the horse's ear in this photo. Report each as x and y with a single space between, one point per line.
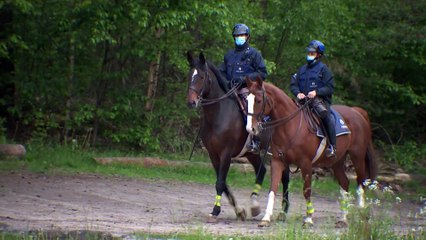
259 81
248 82
202 58
190 58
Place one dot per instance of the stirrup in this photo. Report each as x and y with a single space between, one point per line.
253 147
331 151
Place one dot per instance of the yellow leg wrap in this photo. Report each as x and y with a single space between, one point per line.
257 188
217 202
309 208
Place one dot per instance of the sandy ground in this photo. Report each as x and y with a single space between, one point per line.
122 206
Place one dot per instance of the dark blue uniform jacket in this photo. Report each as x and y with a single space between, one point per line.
243 61
311 77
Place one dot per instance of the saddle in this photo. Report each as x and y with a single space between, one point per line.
315 124
240 96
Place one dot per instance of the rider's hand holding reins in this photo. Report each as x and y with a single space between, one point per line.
312 94
300 96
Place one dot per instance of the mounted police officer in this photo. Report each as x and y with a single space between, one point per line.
315 80
243 61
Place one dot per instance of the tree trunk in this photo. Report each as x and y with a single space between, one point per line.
100 91
70 89
153 75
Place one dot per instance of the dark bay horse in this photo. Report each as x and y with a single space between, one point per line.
293 142
223 132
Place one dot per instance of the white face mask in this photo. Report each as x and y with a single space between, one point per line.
240 40
310 59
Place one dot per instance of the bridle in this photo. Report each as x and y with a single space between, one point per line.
200 93
259 116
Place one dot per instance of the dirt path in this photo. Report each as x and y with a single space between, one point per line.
122 206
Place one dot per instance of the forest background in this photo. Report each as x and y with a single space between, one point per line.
113 74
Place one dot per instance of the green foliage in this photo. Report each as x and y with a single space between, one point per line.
409 155
80 69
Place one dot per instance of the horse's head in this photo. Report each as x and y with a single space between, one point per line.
257 106
198 80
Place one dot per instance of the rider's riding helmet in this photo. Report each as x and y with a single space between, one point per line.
316 46
240 29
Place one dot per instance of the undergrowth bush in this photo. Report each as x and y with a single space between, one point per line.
409 155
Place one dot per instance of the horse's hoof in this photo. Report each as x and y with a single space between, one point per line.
255 211
264 223
211 219
341 224
241 214
282 216
307 223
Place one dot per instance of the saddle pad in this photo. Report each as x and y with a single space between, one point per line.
339 125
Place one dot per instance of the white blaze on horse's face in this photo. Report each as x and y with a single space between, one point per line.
250 111
194 74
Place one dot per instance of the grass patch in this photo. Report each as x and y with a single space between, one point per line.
63 159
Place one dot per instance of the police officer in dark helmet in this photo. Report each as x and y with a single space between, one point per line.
243 61
315 80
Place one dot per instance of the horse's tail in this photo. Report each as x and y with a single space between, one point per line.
371 164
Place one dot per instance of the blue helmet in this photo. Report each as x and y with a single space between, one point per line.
316 46
240 29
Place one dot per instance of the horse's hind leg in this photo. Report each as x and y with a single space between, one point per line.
361 176
259 170
342 179
240 212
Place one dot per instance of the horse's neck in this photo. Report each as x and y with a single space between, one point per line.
283 106
223 109
285 109
215 90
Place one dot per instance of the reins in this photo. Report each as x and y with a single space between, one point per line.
205 102
277 122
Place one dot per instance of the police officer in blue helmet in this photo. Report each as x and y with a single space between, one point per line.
241 62
315 81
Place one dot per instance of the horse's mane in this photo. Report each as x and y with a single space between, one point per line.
275 90
220 78
223 83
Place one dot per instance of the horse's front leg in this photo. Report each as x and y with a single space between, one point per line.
222 169
277 167
240 212
285 202
307 178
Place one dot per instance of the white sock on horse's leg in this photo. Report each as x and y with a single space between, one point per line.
360 196
344 204
269 207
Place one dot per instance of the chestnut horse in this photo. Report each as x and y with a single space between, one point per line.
223 132
293 142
